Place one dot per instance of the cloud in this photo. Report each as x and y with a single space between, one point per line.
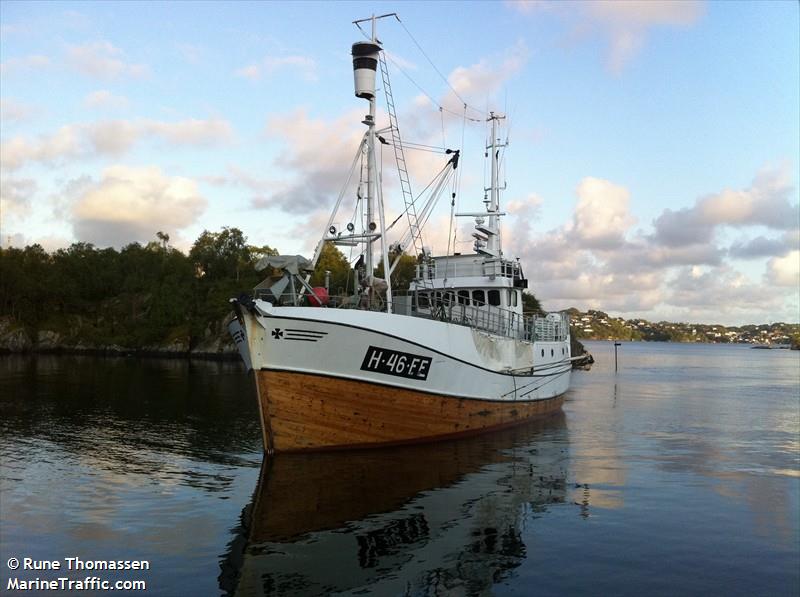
760 246
24 63
766 202
64 143
624 25
131 204
476 84
191 132
303 66
110 137
479 81
16 195
104 99
682 227
601 216
785 271
627 24
14 112
102 60
317 158
720 290
597 260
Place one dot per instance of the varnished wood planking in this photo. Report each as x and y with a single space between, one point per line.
310 412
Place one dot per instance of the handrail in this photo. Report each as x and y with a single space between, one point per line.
459 269
553 327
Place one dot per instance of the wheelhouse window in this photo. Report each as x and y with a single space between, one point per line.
512 298
494 298
463 297
422 300
478 297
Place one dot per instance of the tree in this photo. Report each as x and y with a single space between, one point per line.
334 261
217 254
530 304
163 237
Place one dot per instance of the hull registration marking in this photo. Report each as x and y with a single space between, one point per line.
394 362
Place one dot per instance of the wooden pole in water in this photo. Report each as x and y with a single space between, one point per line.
615 354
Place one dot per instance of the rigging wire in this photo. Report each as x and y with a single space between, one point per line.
420 194
436 147
416 43
417 85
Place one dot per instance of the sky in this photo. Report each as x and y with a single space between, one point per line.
653 147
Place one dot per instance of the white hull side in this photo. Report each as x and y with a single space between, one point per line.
454 360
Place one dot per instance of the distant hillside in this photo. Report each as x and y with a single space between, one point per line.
597 325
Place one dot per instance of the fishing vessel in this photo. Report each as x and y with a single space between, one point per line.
453 354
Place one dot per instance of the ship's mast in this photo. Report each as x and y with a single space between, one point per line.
494 243
365 64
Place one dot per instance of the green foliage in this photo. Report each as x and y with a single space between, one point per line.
139 296
331 259
530 304
403 273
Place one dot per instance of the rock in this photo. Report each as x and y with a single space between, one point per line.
218 341
577 349
48 340
13 337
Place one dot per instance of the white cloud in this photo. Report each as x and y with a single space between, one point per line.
766 202
720 292
104 99
13 112
316 160
597 261
625 25
785 271
601 216
102 60
24 63
191 132
110 137
132 204
303 66
16 195
64 143
479 81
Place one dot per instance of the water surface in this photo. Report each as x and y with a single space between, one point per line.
678 474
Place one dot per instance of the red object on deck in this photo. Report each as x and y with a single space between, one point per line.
319 298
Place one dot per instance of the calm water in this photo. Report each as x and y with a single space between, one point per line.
678 475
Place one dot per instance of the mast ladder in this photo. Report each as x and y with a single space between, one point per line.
402 170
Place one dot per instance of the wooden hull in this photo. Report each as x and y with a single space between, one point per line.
303 412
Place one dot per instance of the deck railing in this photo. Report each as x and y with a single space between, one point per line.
553 327
447 306
460 269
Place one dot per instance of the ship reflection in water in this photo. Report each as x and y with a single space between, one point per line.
420 519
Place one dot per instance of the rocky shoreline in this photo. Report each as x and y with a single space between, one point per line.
15 338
